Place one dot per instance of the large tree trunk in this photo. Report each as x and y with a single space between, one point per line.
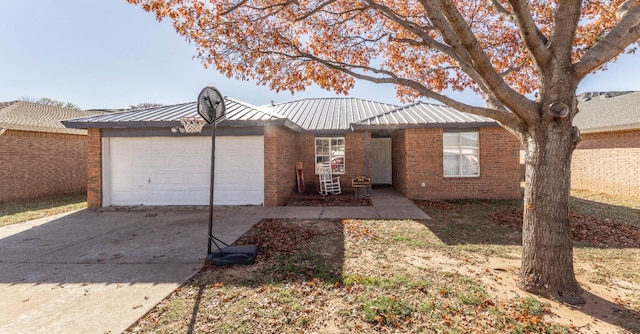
547 262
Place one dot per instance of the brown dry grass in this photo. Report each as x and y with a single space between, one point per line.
453 274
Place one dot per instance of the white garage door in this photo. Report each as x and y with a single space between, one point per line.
175 170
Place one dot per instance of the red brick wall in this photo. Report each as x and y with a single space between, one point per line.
608 162
36 164
417 158
280 156
94 168
306 153
354 159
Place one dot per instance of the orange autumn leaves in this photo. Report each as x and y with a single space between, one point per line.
291 44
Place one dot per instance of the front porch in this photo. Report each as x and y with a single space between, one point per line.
386 203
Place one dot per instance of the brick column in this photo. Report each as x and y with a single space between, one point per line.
94 168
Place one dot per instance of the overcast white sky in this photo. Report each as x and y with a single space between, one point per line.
110 54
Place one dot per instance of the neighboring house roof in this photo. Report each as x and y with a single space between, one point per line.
422 115
29 116
609 111
329 114
170 116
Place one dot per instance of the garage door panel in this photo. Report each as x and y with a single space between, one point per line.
123 164
175 171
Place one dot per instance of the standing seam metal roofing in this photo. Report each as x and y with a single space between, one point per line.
329 113
313 114
236 111
421 113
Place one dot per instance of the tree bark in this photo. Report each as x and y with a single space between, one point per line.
547 262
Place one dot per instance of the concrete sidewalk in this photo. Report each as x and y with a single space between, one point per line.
99 271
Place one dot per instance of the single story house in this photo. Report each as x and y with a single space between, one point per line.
425 151
607 159
38 155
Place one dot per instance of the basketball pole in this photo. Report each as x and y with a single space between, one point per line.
211 179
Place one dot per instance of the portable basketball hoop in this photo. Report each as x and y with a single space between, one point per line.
212 109
192 124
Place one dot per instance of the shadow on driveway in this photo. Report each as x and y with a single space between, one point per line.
99 271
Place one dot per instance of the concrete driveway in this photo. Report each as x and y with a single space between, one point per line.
98 272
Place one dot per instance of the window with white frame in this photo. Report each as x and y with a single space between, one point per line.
330 152
461 154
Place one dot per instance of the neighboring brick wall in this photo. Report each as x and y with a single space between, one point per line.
36 164
280 156
608 162
417 155
94 168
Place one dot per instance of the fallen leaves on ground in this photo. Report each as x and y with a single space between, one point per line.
386 276
597 231
308 279
313 199
276 237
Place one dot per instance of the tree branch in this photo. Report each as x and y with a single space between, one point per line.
616 41
315 10
567 16
504 117
463 37
232 8
533 38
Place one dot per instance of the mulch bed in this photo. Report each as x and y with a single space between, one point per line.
597 231
315 199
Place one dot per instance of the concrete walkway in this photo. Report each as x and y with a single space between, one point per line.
99 271
387 204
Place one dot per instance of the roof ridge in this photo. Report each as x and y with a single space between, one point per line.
330 98
262 109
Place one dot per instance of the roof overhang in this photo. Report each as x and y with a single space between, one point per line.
623 127
465 125
169 124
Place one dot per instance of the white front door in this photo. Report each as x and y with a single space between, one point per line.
380 160
175 171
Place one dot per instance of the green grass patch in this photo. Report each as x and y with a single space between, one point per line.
534 307
389 311
378 282
21 211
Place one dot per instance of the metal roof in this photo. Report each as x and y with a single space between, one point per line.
423 114
608 111
170 116
29 116
319 115
328 114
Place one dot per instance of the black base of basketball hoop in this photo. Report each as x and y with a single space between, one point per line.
245 254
